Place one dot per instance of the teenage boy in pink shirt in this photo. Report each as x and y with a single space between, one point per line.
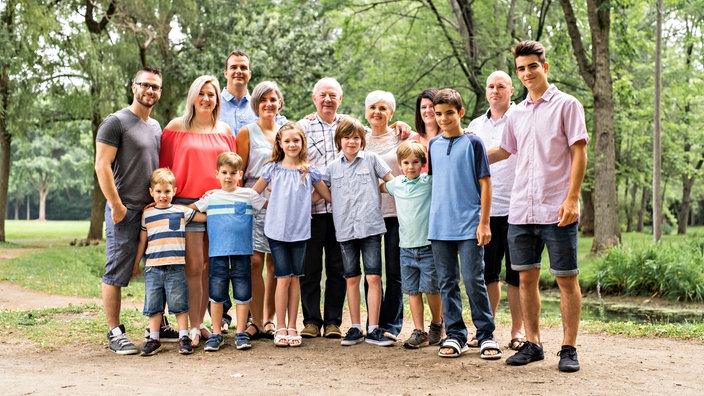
548 135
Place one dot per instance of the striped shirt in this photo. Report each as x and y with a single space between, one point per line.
321 149
230 217
166 234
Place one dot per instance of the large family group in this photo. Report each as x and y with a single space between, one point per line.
232 187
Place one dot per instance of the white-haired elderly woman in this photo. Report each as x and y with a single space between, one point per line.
383 140
255 143
190 146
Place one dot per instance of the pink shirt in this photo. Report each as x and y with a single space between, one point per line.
540 134
192 158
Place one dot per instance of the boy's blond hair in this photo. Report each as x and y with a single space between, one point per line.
162 176
347 127
230 159
409 148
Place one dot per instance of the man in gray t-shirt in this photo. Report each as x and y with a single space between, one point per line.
126 153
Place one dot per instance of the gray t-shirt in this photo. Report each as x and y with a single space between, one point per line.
137 155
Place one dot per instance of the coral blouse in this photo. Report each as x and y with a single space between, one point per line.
192 158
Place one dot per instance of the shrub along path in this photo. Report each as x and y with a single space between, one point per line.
610 365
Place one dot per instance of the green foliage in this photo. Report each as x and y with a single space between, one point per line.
674 271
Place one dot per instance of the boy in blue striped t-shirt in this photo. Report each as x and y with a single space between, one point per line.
163 242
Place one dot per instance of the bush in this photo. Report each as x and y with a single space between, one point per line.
674 271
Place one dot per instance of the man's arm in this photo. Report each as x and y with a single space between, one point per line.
569 210
496 154
484 230
104 156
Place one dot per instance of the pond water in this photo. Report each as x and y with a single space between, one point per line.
595 309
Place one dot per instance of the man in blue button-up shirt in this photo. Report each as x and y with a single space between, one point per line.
236 107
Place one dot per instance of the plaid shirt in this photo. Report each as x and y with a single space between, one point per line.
321 149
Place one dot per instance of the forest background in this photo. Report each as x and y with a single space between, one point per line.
66 65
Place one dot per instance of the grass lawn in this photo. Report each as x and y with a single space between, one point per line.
19 230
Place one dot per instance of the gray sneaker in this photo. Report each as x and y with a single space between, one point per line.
418 339
119 343
435 333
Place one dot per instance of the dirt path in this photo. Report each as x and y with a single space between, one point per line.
610 365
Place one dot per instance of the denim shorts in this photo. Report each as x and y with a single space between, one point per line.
418 271
260 243
289 257
165 284
226 270
370 247
527 242
191 226
121 242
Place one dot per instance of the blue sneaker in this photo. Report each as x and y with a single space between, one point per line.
353 336
377 337
242 341
214 342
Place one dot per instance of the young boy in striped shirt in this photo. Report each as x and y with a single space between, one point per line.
163 242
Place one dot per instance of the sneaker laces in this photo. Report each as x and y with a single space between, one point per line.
567 352
122 340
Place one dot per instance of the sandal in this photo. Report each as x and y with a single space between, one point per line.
195 337
281 340
256 335
270 332
294 340
453 344
516 343
490 345
473 343
204 328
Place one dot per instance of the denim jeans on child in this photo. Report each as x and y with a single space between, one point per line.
230 269
472 266
165 284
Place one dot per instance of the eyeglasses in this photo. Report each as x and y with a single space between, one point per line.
146 86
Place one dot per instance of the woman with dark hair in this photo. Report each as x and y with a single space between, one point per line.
426 126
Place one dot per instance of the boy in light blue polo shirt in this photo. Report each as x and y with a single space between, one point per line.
412 193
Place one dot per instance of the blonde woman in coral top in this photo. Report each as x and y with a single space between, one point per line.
190 145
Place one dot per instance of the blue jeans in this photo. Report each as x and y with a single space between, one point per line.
370 247
472 266
121 242
391 315
230 269
418 271
165 284
289 257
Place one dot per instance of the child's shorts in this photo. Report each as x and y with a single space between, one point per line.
165 284
289 257
370 247
526 243
226 270
418 271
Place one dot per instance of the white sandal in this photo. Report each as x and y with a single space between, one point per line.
195 332
281 340
295 340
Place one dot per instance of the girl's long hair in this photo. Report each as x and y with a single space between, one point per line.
278 154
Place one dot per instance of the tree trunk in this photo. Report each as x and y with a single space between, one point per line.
644 202
597 75
43 193
97 209
685 207
632 212
587 218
